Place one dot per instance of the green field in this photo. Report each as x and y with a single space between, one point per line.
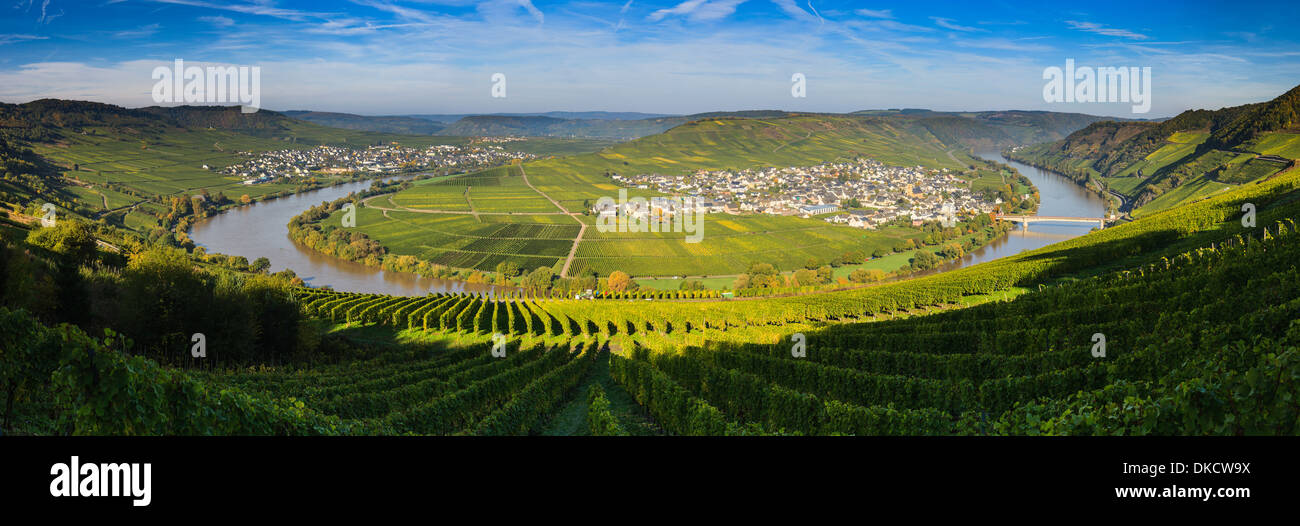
464 241
729 243
1181 145
1281 144
1202 187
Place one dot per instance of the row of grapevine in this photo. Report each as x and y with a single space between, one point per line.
995 369
524 413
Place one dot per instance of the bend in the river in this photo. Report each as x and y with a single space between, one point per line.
260 230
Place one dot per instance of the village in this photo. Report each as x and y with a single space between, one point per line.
861 193
265 167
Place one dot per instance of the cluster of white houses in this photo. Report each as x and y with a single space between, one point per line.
264 167
878 193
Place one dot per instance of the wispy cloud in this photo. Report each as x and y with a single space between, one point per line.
1004 44
11 39
219 21
875 13
698 10
434 56
47 15
948 23
257 7
139 32
1099 29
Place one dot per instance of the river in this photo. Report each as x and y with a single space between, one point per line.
1059 196
261 230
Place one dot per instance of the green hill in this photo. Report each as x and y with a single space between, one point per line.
1158 165
127 166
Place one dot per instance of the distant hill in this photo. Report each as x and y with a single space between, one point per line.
973 130
783 139
584 115
389 124
540 126
1156 165
48 119
981 130
995 128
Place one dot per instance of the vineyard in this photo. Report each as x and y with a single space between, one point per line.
1179 323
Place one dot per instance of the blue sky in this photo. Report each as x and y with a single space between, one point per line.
438 56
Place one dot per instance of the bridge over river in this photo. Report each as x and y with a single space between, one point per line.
1026 220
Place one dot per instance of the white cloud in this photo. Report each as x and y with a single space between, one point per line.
139 32
698 10
219 21
1002 44
1103 30
875 13
948 23
15 38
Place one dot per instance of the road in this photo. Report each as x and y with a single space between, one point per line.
573 251
582 227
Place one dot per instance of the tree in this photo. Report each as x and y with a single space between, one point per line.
260 265
168 298
951 251
692 284
824 274
924 259
539 279
245 199
742 282
74 240
508 269
863 275
619 281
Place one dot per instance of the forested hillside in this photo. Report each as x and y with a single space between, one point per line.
1155 166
